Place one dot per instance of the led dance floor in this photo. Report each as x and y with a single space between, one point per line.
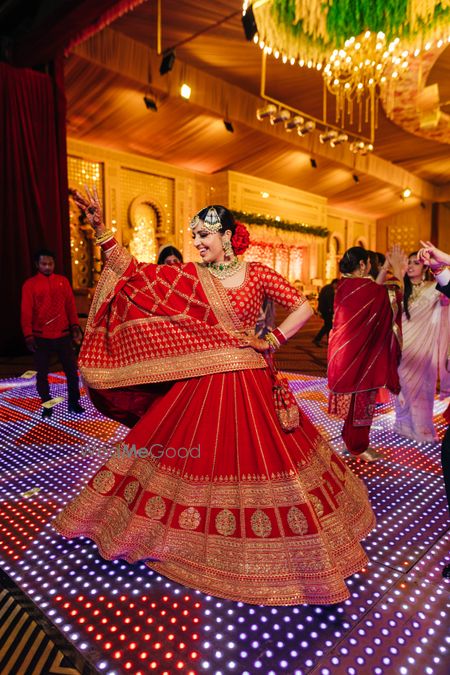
127 619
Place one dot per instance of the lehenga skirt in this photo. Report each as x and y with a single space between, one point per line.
213 494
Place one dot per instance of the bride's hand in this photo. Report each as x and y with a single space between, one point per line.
91 207
253 341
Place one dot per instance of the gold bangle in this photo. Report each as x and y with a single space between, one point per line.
104 237
272 340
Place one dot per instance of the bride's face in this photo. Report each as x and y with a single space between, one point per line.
209 244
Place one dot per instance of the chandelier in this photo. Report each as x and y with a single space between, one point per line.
362 49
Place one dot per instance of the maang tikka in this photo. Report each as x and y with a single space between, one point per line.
211 221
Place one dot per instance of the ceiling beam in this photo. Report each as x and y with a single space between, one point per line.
119 53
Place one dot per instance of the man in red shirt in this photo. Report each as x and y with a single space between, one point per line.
50 323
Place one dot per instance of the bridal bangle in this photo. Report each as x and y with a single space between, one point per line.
275 338
104 237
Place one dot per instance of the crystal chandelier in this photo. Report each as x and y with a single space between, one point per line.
361 54
356 76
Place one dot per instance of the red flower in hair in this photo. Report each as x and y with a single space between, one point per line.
240 240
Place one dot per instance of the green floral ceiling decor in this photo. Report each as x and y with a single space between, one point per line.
309 30
258 219
362 47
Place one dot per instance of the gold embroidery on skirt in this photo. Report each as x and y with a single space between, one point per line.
155 507
261 524
130 491
189 519
297 521
103 481
225 523
317 503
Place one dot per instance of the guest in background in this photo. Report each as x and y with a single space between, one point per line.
361 359
425 325
326 308
169 255
50 323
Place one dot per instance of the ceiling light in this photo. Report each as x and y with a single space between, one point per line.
150 103
228 126
407 192
306 128
328 136
185 91
265 195
294 122
360 147
280 116
249 23
267 111
340 138
167 62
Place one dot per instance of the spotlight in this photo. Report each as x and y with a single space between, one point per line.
328 136
167 62
185 91
313 163
340 138
355 178
280 116
293 123
267 111
360 148
407 192
228 126
150 103
249 23
306 128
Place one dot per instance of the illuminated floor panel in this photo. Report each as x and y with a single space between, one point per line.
127 619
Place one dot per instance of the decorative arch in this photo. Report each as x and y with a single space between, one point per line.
335 249
361 241
335 243
147 220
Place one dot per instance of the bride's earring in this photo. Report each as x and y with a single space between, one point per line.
227 247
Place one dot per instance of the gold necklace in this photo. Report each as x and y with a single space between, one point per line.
417 290
222 270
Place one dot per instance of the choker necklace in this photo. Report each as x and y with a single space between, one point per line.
417 289
222 270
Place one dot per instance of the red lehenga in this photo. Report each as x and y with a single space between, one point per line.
257 514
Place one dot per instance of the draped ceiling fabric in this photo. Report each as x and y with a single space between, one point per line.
33 158
93 71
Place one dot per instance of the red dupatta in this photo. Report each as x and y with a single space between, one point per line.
158 323
365 343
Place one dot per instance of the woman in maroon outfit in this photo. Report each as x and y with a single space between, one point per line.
365 345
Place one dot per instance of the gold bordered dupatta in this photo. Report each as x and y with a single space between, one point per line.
156 323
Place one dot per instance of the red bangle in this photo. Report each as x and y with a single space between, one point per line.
110 243
282 339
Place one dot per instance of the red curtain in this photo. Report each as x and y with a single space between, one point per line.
33 188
